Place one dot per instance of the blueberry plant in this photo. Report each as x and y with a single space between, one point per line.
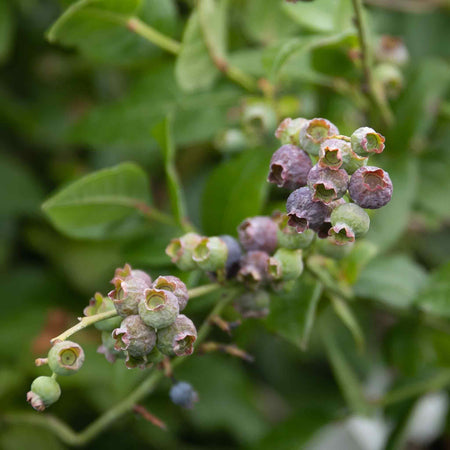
277 251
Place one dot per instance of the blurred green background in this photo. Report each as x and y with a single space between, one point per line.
95 97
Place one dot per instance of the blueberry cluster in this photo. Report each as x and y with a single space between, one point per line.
149 324
330 180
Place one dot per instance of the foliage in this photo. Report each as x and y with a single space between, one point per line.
115 118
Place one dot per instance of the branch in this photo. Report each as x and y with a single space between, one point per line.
374 93
71 437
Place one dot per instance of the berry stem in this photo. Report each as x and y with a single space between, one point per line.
376 96
70 437
91 320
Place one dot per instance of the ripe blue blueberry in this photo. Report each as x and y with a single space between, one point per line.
183 394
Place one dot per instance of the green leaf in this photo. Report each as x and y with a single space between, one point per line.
296 431
163 135
6 29
345 313
292 314
194 68
321 15
98 28
393 280
435 297
388 223
22 193
266 21
235 190
92 205
360 255
345 376
213 21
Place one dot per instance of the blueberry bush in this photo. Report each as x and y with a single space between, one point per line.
225 224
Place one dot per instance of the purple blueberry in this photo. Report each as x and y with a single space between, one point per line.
258 233
253 271
234 255
289 167
370 187
305 213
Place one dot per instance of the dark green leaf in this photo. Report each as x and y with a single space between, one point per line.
90 206
235 190
435 298
393 280
292 314
6 29
194 69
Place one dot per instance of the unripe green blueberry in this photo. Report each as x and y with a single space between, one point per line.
44 392
314 132
174 285
231 141
159 308
179 338
285 265
126 272
330 248
350 216
107 348
288 236
258 117
211 254
341 234
326 184
99 304
391 78
366 140
289 129
65 358
253 304
181 249
134 337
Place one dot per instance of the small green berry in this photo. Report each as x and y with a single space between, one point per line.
288 130
99 304
174 285
285 265
348 219
366 140
288 236
181 250
314 132
210 254
65 358
107 348
253 304
44 392
159 308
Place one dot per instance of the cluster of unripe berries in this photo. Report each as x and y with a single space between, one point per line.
329 176
148 326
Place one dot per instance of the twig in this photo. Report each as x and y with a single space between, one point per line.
374 93
147 415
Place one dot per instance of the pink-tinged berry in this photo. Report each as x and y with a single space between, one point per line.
136 339
314 132
65 358
127 272
44 392
258 233
370 187
289 129
210 254
99 304
253 271
337 153
305 213
179 338
326 184
180 251
253 304
289 167
174 285
341 234
365 141
392 50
